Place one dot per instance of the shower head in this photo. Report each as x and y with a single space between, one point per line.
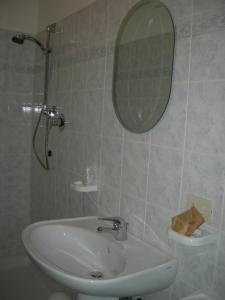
20 38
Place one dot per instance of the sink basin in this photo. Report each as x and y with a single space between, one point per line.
95 264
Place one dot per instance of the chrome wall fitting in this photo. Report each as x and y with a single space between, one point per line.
57 119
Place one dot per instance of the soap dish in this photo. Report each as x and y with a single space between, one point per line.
83 188
203 236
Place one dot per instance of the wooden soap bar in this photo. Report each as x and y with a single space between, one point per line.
187 222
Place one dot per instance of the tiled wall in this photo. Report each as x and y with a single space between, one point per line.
16 88
144 178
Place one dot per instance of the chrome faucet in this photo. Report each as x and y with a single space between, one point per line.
119 228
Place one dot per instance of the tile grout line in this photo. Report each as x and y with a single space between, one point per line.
185 128
218 244
186 112
57 152
121 168
103 108
147 185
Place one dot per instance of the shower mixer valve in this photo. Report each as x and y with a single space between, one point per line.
57 119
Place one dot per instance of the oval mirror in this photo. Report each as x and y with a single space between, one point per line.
143 66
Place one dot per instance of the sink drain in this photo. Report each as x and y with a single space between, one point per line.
97 275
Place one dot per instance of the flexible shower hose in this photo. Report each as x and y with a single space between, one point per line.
45 163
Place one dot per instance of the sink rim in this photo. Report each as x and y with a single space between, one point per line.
78 281
43 261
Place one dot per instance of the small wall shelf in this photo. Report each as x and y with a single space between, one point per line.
83 188
203 236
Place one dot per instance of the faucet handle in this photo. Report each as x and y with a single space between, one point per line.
115 220
119 226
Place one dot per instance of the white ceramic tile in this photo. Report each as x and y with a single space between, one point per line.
96 73
132 210
19 139
181 59
219 282
135 137
182 27
82 27
94 111
204 177
206 115
76 153
109 65
161 295
135 165
196 265
169 131
158 219
208 59
181 289
98 22
18 169
79 75
209 21
75 204
78 111
111 162
111 126
90 205
206 5
116 12
109 201
16 102
62 196
221 254
179 8
165 177
64 79
92 153
4 229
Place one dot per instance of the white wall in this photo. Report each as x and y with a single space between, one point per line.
32 16
51 11
19 15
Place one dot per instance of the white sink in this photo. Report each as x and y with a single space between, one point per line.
72 251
